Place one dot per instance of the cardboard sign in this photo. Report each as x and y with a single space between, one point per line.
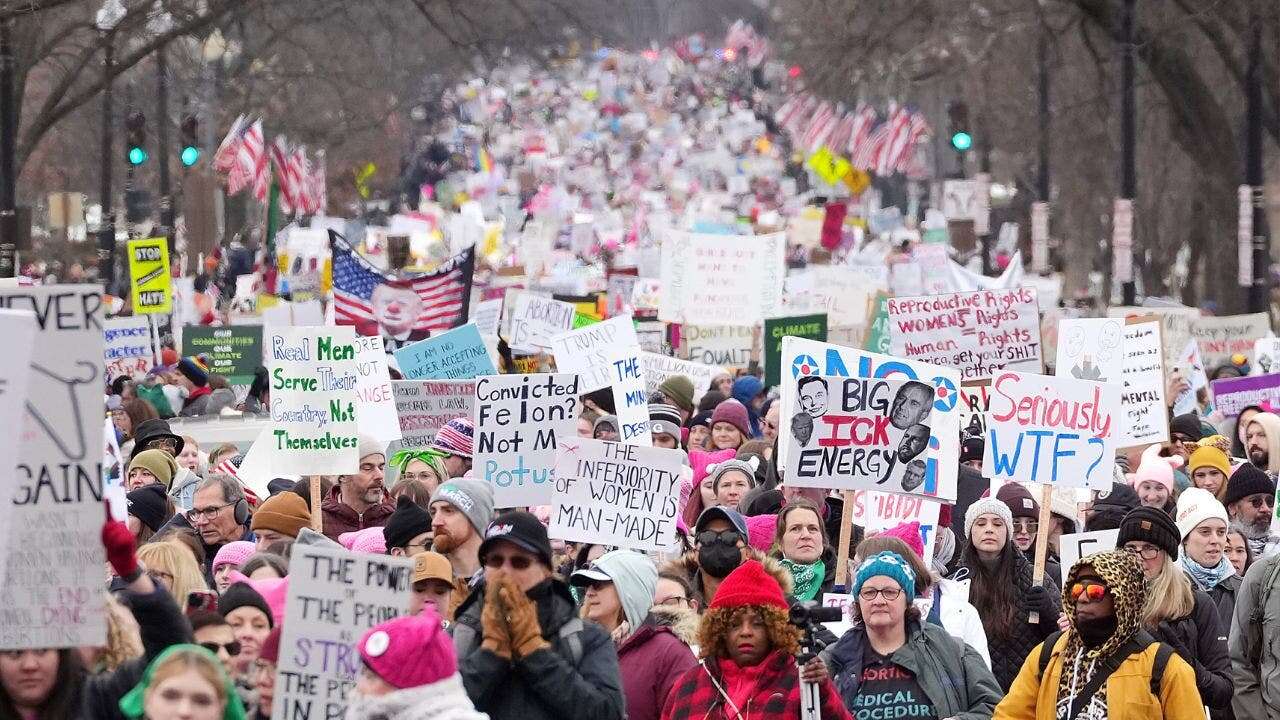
424 406
857 433
980 332
234 352
538 319
1090 349
1266 356
459 354
801 358
723 345
313 400
1175 326
629 397
876 511
517 418
711 279
1055 430
1143 410
18 327
657 368
150 286
1221 337
335 596
126 347
812 327
1231 395
1074 546
52 592
616 494
586 351
488 316
375 403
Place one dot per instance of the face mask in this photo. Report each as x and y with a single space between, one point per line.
718 559
1096 632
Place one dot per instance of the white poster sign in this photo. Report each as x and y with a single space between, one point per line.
629 397
313 400
1143 409
981 332
127 349
375 403
536 320
722 345
517 418
657 368
1074 546
1090 349
586 351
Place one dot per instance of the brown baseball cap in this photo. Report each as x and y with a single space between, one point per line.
432 566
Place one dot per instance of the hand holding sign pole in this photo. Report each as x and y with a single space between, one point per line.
1042 543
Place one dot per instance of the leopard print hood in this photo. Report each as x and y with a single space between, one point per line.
1123 576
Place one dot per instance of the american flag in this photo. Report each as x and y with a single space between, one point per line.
225 157
445 291
253 155
284 176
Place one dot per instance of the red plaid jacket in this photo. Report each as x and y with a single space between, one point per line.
777 697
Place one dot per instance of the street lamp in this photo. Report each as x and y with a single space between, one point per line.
106 21
159 24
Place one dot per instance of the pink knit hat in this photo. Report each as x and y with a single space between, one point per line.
700 461
760 530
1155 469
233 553
410 651
908 533
368 540
274 590
735 413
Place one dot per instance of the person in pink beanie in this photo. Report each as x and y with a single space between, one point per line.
1153 480
703 494
409 671
369 540
229 558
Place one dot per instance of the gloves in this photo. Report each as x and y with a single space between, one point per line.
522 619
119 544
1039 600
493 623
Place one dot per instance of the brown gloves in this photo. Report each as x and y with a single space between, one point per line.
493 623
522 621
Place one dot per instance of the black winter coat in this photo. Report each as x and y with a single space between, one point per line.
1201 640
1223 596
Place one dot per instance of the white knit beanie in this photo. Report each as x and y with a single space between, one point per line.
987 506
1195 505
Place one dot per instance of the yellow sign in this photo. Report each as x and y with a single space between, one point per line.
827 166
150 285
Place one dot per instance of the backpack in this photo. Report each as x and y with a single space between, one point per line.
1259 612
1136 644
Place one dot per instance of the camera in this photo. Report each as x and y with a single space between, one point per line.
805 614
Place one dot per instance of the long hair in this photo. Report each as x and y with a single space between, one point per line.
124 637
63 702
145 533
172 558
1169 595
993 591
1236 528
713 633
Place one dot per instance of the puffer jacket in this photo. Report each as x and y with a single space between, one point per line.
951 674
1007 653
654 657
1255 643
957 616
555 683
1223 596
1203 644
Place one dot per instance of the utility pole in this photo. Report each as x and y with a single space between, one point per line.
1122 219
1253 236
1040 208
8 163
107 231
162 146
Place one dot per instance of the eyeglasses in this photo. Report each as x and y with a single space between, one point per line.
1179 438
162 444
889 594
1024 525
232 648
1260 501
1091 591
160 576
202 513
425 476
517 562
675 601
728 537
1146 552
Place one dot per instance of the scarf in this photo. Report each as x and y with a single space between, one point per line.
807 579
740 682
441 700
1207 578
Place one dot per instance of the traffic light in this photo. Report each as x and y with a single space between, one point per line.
958 114
190 130
136 138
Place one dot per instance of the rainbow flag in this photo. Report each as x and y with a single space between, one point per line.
484 163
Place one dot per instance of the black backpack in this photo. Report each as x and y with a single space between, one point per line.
1136 644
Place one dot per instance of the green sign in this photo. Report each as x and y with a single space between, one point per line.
811 327
878 334
233 352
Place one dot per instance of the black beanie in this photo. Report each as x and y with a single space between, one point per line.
150 505
407 522
1152 525
1188 424
1248 479
241 595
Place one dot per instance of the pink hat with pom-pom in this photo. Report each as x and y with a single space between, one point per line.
368 540
909 533
274 590
1154 468
760 530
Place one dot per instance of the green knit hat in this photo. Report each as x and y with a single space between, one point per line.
679 390
156 462
132 703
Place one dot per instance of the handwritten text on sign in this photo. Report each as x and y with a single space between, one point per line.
1144 414
458 354
127 350
538 319
517 418
586 351
1220 337
616 494
334 597
313 400
424 406
233 352
980 332
376 406
1052 430
629 397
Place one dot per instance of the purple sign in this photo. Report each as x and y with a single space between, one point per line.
1231 395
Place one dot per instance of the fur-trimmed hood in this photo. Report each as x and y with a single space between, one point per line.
681 621
687 566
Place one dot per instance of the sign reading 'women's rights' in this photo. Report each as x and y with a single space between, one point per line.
516 419
314 377
1055 430
334 597
615 494
981 332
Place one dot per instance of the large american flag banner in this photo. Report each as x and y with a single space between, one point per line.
444 293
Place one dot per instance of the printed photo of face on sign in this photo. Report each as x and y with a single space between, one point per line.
853 433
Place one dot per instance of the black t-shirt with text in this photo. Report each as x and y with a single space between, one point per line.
889 692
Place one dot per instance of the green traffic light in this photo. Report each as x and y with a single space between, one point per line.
962 141
190 155
137 155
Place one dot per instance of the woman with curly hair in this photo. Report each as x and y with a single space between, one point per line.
748 667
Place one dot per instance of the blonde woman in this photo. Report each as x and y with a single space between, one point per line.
124 639
1176 613
185 682
171 566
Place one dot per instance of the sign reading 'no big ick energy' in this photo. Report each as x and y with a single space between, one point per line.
314 377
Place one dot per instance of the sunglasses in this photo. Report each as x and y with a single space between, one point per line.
232 648
517 562
1090 590
728 537
1260 501
1026 526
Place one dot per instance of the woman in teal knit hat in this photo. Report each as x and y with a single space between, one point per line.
184 681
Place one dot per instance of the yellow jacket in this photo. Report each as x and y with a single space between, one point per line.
1128 689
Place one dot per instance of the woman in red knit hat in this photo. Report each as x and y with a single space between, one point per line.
748 667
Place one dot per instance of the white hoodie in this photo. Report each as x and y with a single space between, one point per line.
959 618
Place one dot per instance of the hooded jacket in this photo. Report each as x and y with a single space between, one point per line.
1126 693
1202 642
746 389
654 657
1270 423
1255 643
340 518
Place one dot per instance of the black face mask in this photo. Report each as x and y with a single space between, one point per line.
1094 633
718 559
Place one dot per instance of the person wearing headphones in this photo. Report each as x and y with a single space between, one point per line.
220 514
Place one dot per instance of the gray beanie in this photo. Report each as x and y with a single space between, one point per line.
474 498
748 467
987 506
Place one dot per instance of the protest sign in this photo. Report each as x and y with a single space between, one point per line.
536 320
1055 430
52 594
488 316
1175 326
586 351
813 327
516 419
126 347
1266 356
857 433
150 286
1090 349
1190 366
18 327
615 494
975 400
1231 395
980 332
723 345
657 368
334 597
459 354
313 400
424 406
875 511
1220 337
712 279
375 403
234 352
1074 546
1144 414
630 400
802 358
843 292
878 339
